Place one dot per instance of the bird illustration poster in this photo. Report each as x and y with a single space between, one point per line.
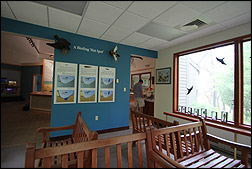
107 84
65 83
47 75
87 91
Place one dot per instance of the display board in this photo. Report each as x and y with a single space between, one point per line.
47 78
65 83
106 84
88 77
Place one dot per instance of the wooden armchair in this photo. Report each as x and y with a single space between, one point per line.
141 121
201 156
81 133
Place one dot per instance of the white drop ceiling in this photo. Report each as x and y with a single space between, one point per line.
134 23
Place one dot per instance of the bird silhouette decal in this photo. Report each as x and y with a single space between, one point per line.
221 61
189 90
61 43
114 53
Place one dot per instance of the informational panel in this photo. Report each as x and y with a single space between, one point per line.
47 78
88 77
107 84
65 83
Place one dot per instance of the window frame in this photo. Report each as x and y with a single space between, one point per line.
238 80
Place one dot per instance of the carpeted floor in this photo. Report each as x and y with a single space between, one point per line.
19 127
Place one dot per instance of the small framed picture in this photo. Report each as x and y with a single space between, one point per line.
196 112
224 116
203 112
163 76
179 108
214 115
189 110
183 109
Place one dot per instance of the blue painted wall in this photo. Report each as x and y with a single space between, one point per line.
111 115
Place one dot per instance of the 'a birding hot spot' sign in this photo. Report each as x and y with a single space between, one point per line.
88 49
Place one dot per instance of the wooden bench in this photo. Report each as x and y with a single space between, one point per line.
140 121
202 156
81 133
102 148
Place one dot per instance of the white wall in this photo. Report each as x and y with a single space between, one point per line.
164 92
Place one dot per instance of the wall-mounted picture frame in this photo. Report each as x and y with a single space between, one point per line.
214 115
224 116
163 76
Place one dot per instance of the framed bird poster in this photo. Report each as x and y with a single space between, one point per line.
163 76
65 83
87 91
106 84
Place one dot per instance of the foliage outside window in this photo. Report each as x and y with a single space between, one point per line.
247 82
201 81
144 76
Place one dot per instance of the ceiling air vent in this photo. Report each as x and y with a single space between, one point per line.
193 25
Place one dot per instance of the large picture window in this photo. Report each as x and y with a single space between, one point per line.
214 82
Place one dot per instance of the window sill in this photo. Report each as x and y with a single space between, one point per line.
242 129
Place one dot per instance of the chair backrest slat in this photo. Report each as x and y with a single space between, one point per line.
191 140
186 143
196 139
166 139
94 158
47 162
179 144
80 157
107 157
119 155
65 161
139 149
130 163
200 138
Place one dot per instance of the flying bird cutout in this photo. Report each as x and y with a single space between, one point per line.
189 90
221 61
114 53
61 43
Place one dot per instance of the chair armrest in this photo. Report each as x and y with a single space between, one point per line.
163 160
240 146
50 129
45 130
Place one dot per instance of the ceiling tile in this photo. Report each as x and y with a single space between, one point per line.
176 15
117 33
153 42
209 30
130 21
160 31
92 27
162 46
102 12
242 19
150 9
202 6
135 38
109 38
63 20
29 12
183 39
119 4
229 10
75 7
6 11
89 34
